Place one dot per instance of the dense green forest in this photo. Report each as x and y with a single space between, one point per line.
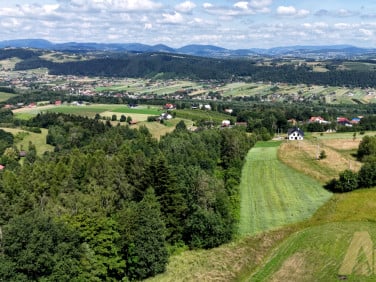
184 66
112 203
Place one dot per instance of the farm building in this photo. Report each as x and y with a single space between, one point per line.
226 123
295 134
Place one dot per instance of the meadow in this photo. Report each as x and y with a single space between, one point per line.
5 96
23 138
273 194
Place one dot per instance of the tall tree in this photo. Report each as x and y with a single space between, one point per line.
147 253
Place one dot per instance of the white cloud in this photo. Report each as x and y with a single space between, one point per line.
207 5
366 32
112 5
286 10
148 26
291 11
185 7
260 4
175 18
343 26
241 5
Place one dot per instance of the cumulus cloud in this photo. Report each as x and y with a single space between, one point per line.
241 5
185 7
291 11
175 18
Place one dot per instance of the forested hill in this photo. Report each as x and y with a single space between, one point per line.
166 65
110 203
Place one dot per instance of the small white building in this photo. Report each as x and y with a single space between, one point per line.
295 134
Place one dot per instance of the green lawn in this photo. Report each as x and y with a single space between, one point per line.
273 194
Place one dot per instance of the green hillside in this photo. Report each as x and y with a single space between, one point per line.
273 194
330 252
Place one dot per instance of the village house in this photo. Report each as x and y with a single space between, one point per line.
295 134
318 120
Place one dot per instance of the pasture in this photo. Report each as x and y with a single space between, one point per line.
273 194
22 139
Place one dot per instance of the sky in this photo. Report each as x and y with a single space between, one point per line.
225 23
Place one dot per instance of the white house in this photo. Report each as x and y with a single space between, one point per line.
295 134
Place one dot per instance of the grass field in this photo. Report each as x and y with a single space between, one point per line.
318 253
5 96
197 115
38 139
312 250
273 194
91 110
340 149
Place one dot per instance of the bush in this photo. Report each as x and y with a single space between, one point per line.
322 155
367 175
348 181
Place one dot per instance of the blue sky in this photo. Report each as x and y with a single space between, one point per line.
226 23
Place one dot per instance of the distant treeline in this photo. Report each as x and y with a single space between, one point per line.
184 66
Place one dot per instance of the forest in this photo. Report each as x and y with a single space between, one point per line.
112 203
190 67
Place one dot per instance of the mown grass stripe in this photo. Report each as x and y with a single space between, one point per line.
273 194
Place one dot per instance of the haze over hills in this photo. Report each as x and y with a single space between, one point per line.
325 51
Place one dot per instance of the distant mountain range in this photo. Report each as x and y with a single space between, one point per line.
314 52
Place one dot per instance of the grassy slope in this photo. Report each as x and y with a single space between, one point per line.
5 96
316 254
317 251
38 139
273 194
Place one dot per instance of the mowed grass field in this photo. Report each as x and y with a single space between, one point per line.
317 252
273 194
312 250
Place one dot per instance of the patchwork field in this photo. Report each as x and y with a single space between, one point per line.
139 114
273 194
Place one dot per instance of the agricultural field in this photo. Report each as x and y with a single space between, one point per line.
340 150
138 114
309 250
318 254
93 109
144 86
198 115
273 194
